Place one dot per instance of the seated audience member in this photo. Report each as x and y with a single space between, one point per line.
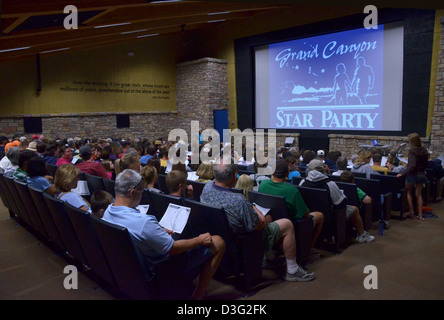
316 178
150 153
12 162
257 176
149 175
394 164
362 164
293 167
244 217
154 162
307 156
65 155
294 202
245 183
14 143
341 164
436 172
128 161
205 172
89 166
320 154
38 177
21 174
331 158
154 242
377 158
177 184
50 154
66 179
40 149
100 200
3 141
163 157
363 198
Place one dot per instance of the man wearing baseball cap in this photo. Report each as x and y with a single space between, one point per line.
293 199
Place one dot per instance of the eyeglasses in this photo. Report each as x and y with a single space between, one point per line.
140 180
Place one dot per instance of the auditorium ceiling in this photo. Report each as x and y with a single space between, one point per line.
30 27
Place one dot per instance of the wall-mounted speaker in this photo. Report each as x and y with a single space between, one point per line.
32 124
123 121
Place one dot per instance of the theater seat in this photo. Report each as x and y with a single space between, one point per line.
133 278
91 247
243 253
303 227
57 209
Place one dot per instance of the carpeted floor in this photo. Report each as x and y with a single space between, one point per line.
408 259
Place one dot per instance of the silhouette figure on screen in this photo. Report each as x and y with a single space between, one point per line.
341 85
363 80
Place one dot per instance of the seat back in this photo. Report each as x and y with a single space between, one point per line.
351 192
197 188
276 204
91 247
20 209
160 203
372 187
334 219
52 168
125 264
47 220
303 227
109 186
297 180
395 186
30 207
6 195
243 252
57 210
161 181
94 183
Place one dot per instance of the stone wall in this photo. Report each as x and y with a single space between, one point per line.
201 88
437 138
351 144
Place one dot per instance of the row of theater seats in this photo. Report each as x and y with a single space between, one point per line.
103 251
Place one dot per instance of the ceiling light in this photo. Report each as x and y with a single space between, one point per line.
148 35
55 50
221 20
215 13
112 25
15 49
135 31
165 1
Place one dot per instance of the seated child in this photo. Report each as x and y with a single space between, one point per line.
100 200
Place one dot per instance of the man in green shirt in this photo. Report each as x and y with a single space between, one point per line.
295 203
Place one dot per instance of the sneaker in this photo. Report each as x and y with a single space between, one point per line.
300 275
386 225
365 237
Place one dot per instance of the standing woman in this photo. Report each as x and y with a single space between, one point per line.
415 173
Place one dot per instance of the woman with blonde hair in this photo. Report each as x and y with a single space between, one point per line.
149 174
66 179
245 183
415 173
362 164
128 161
205 172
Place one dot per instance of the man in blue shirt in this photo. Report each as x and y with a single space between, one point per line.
156 242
